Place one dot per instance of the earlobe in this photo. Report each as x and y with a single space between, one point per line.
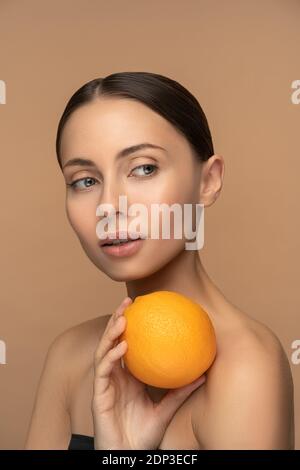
212 180
208 200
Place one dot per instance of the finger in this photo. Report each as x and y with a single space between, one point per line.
119 311
112 331
109 339
174 398
127 301
105 367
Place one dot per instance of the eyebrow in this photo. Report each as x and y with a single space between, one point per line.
122 153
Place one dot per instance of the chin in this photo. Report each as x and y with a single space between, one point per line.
135 269
139 266
129 271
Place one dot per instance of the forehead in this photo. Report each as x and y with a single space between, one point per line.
109 124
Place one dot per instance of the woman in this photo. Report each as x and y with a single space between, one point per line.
86 397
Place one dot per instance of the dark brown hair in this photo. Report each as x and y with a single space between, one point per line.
162 94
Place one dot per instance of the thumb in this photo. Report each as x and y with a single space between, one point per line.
168 405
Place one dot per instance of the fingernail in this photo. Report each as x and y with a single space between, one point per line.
118 314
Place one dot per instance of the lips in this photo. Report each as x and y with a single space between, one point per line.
123 250
111 242
122 236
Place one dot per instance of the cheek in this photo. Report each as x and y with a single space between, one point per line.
82 218
181 192
167 195
171 190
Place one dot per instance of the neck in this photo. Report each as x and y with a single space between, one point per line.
186 275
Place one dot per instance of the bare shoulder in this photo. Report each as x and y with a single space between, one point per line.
77 344
249 390
69 354
254 337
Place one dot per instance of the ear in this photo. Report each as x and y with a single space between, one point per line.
211 180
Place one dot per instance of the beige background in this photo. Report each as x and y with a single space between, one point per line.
239 59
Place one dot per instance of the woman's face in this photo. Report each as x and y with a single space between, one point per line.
98 131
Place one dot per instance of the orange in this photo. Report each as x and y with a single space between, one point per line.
171 340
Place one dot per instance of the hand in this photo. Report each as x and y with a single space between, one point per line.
124 415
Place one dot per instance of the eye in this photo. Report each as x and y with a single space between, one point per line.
148 168
90 182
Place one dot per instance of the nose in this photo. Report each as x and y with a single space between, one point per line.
108 203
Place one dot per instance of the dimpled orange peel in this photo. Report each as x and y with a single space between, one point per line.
171 340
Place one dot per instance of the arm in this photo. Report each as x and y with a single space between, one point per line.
50 424
251 406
